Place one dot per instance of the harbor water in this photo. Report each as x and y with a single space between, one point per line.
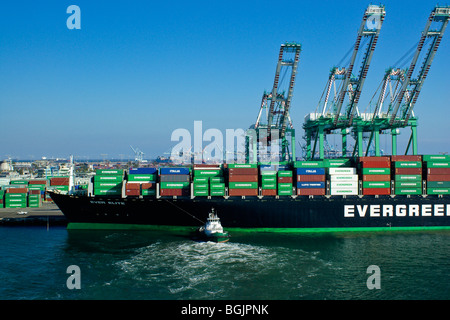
170 266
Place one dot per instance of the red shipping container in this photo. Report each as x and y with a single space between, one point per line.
438 177
376 191
415 171
438 170
148 185
133 186
17 190
243 192
243 178
132 192
285 179
35 192
206 166
174 192
311 192
376 164
269 192
311 177
406 158
59 181
248 171
377 177
37 182
364 159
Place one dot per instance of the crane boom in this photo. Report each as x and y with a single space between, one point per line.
410 89
370 28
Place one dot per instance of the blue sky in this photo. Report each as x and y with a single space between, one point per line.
137 70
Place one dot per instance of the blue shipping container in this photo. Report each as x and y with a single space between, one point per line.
174 170
142 170
305 185
310 171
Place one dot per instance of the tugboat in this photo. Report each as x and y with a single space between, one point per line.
212 230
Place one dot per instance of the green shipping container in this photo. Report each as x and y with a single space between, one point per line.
207 173
108 178
217 186
438 184
285 173
407 177
148 192
174 185
436 157
438 190
107 185
269 179
269 185
201 179
335 163
408 164
111 192
284 192
216 180
109 172
217 192
21 182
200 193
201 186
376 184
141 177
408 184
435 164
309 164
284 186
266 173
242 165
400 191
15 205
376 170
243 185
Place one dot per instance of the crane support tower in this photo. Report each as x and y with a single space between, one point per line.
329 117
404 86
273 125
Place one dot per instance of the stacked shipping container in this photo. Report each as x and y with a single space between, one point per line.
174 181
268 178
310 178
437 173
407 172
59 183
343 181
108 182
243 179
208 180
16 197
141 181
376 175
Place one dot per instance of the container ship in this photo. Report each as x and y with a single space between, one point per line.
368 193
359 192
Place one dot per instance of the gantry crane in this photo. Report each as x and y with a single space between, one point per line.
404 86
273 124
330 118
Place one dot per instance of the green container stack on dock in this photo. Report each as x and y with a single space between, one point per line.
437 173
108 182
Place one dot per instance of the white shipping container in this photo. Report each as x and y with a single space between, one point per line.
344 184
344 177
343 191
342 170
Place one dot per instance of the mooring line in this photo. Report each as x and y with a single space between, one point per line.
184 211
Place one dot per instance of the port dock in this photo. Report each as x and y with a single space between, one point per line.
47 214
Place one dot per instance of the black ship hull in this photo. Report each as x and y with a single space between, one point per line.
268 213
